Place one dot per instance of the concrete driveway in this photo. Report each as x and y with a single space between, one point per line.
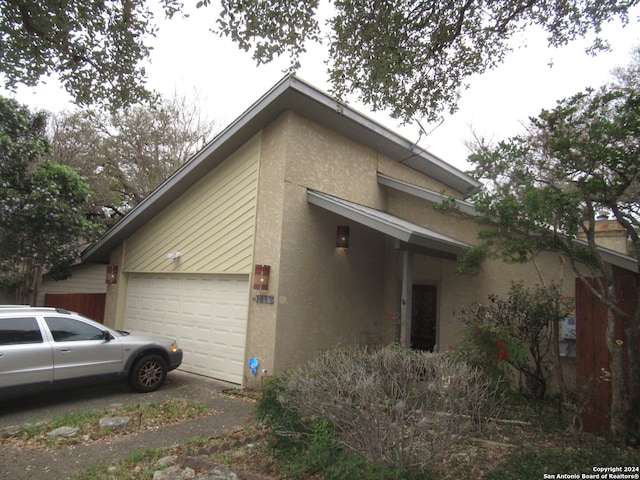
228 414
43 406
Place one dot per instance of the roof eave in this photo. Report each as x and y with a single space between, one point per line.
290 93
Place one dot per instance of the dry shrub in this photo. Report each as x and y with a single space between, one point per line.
390 405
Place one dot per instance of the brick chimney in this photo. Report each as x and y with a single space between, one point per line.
610 234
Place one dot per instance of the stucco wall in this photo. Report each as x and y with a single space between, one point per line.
328 296
261 321
399 171
324 297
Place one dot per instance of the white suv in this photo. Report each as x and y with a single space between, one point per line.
44 347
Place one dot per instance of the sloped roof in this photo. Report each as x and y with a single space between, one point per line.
384 222
290 93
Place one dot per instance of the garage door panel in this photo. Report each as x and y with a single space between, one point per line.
173 305
206 315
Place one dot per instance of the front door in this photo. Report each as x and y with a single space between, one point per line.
423 317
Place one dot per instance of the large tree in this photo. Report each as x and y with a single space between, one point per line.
544 191
97 48
128 153
411 57
42 205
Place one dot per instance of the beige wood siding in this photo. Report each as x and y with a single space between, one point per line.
212 225
87 278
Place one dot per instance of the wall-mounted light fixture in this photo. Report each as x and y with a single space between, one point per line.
261 277
112 275
342 237
174 255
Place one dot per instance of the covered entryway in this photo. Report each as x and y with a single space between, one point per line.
418 316
206 314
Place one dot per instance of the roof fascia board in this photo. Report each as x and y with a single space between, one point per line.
612 257
426 193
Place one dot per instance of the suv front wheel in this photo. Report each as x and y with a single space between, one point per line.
148 373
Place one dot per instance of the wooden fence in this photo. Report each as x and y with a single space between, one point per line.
88 304
592 355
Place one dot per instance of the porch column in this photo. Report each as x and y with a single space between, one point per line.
406 300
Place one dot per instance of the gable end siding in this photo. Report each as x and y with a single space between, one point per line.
212 225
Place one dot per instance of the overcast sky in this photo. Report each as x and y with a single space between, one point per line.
187 57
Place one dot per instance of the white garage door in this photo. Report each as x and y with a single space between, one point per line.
206 314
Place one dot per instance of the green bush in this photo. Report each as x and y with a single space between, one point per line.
515 333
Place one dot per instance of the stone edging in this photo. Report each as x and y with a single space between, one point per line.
197 461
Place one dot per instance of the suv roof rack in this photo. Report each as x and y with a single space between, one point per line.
29 307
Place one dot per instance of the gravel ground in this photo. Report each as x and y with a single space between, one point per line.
26 463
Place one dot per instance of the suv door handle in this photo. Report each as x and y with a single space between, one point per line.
65 349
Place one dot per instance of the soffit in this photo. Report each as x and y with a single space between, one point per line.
404 231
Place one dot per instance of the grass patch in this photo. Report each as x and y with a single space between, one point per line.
143 416
577 460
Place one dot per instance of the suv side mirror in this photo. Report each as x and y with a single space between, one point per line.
107 335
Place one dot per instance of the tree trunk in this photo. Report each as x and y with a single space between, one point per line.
35 286
619 398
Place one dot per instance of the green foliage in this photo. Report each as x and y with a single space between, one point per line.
471 260
42 224
515 332
492 349
22 141
544 191
285 424
412 58
270 29
96 48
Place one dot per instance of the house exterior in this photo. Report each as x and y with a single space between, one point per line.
84 292
275 188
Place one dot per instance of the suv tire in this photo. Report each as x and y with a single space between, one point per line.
148 373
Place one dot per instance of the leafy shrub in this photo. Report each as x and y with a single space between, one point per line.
391 406
516 332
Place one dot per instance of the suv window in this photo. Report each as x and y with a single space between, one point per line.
70 330
16 331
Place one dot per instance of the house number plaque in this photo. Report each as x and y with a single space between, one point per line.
264 299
